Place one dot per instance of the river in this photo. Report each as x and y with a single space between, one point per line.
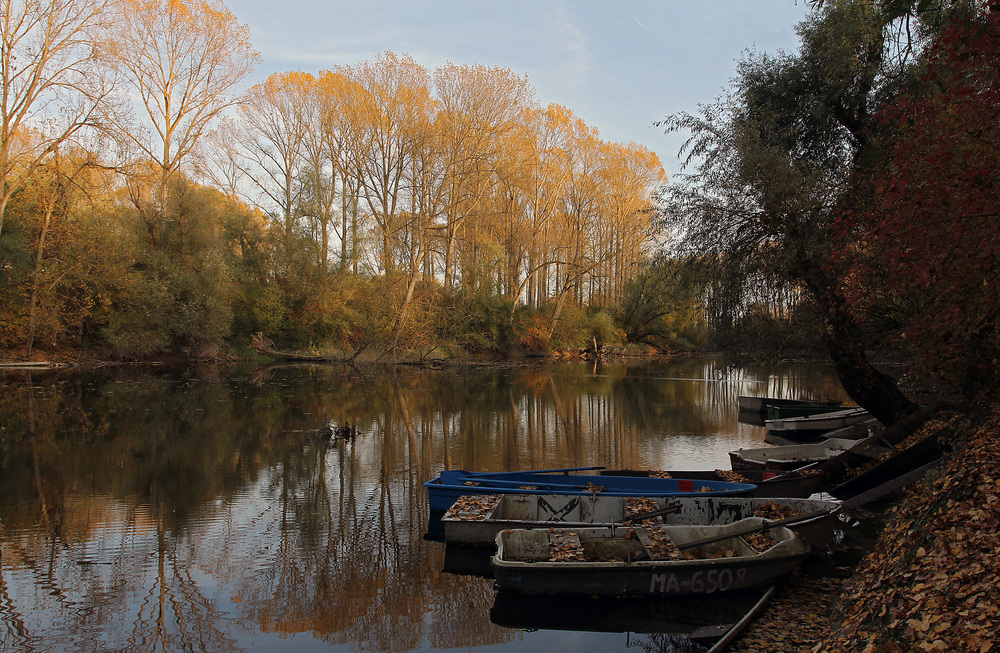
202 509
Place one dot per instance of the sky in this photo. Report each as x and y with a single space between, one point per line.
620 65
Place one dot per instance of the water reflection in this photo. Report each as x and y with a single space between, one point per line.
158 509
656 615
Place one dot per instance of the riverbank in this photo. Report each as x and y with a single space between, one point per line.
12 359
929 583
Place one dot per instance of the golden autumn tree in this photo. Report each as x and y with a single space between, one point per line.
322 177
629 176
338 138
392 105
68 231
273 140
49 85
57 182
184 60
549 173
480 107
512 226
577 213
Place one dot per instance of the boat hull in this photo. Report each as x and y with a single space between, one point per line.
444 490
680 615
644 577
818 424
750 404
770 483
554 511
788 457
785 412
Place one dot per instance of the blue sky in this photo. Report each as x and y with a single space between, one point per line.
620 65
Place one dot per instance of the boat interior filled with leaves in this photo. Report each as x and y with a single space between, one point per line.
475 520
653 560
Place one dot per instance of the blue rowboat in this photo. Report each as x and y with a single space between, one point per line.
451 484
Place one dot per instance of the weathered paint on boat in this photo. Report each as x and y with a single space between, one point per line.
804 410
770 483
812 425
751 404
559 511
451 484
744 570
788 457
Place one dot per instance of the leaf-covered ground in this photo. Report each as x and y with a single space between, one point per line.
930 583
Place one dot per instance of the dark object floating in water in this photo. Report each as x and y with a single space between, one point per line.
332 432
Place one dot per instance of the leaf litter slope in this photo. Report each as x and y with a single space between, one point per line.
928 584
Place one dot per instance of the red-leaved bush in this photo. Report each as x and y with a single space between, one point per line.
933 239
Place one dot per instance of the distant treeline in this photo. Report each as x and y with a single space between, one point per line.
148 205
845 195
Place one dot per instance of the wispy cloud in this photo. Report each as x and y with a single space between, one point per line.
637 21
570 55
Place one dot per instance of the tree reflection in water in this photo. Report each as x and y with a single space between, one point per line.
200 509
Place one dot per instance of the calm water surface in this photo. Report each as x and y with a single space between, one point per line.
201 510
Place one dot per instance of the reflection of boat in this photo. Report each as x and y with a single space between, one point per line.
467 560
643 561
789 457
750 404
451 484
811 426
474 522
673 615
769 483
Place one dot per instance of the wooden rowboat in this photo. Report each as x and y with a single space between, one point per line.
451 484
644 561
476 520
790 457
769 483
812 426
762 404
893 465
804 410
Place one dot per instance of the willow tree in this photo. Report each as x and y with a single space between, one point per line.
782 155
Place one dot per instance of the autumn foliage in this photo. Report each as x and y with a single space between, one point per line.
932 245
345 209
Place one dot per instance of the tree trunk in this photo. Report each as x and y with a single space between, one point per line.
36 279
871 389
401 316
